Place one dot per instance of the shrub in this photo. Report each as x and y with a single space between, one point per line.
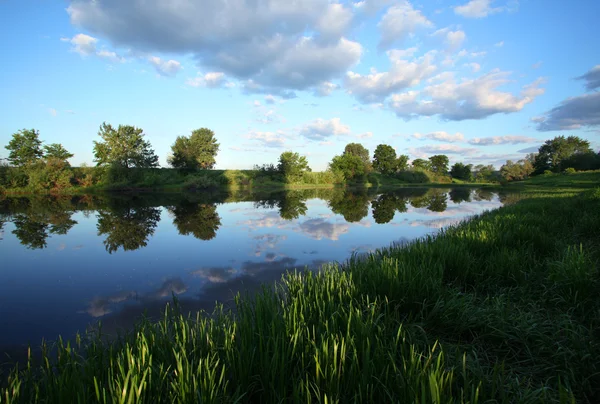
570 170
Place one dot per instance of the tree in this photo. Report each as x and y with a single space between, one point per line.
402 162
384 159
357 149
461 171
200 220
554 151
483 173
124 147
126 226
421 164
520 170
292 166
439 163
25 147
197 151
56 151
351 166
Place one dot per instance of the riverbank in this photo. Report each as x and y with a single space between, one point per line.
503 307
92 179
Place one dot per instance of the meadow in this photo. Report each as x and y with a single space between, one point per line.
502 308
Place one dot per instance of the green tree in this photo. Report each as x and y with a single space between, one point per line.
483 173
357 149
386 206
461 171
194 152
402 162
520 170
552 153
354 206
439 163
200 220
384 159
25 147
292 166
421 164
124 147
351 166
126 226
56 151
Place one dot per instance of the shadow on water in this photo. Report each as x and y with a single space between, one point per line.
126 222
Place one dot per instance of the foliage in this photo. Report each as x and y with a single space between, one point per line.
462 171
200 220
518 171
553 152
350 166
123 147
421 164
402 162
385 207
56 151
292 166
384 159
582 161
353 205
483 173
195 152
439 163
357 149
25 147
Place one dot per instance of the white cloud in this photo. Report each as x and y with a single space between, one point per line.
499 44
324 89
537 65
319 228
321 129
366 135
399 21
376 86
469 99
165 67
269 99
441 136
443 149
452 39
477 9
267 139
209 80
262 41
497 140
86 45
475 67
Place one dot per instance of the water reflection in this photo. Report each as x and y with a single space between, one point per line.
142 249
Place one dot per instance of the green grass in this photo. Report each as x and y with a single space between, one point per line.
503 308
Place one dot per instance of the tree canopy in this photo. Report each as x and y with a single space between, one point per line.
124 147
292 166
196 151
461 171
439 163
384 159
25 147
554 152
421 164
56 151
350 165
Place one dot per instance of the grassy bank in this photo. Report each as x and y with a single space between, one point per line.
502 308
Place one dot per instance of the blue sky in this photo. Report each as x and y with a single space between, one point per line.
480 80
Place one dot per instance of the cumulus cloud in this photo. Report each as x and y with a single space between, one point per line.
269 99
452 39
366 135
165 67
85 45
575 112
262 41
268 139
477 9
469 99
497 140
475 67
376 86
321 129
441 136
208 80
325 88
399 21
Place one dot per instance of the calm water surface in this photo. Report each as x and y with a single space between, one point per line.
68 262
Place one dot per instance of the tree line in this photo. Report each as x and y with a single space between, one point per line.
123 148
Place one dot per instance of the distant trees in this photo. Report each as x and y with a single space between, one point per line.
123 147
292 166
483 173
198 151
520 170
461 171
554 153
25 147
439 163
421 164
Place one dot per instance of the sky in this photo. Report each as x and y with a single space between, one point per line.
481 81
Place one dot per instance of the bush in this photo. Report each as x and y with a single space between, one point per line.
202 182
570 170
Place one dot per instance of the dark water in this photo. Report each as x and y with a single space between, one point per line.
67 262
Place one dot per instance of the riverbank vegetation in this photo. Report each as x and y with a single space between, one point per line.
125 160
502 308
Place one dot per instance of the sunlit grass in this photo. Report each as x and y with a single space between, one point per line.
503 308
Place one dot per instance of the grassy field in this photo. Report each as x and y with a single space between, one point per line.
503 308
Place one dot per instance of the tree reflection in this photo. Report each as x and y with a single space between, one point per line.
434 200
458 195
292 205
36 219
483 195
385 207
200 220
353 205
126 226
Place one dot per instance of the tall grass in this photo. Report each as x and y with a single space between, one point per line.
503 308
